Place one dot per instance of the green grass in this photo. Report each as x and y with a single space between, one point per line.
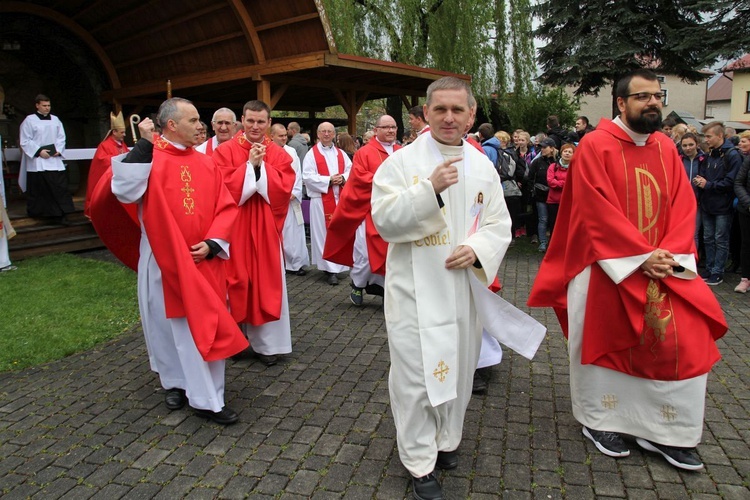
59 305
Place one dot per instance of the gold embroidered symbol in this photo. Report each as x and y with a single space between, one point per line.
657 317
441 371
668 413
188 202
161 143
609 401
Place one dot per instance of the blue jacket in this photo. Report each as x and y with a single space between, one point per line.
719 170
491 147
692 167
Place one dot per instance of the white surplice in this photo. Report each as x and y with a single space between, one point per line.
293 234
361 273
318 185
434 334
274 337
171 349
34 134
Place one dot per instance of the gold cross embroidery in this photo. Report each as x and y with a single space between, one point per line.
188 202
668 413
441 371
609 401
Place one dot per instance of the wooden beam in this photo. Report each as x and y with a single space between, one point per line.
70 25
192 80
328 84
277 95
142 10
349 61
415 100
183 48
340 97
248 28
287 21
168 24
361 100
85 10
405 102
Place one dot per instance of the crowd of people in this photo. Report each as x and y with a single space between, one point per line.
212 225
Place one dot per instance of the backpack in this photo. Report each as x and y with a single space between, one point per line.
505 165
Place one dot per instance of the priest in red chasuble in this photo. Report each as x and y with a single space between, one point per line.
352 239
260 177
621 274
185 213
112 145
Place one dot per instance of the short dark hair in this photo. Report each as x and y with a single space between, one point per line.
668 122
486 131
417 111
256 106
584 119
450 83
553 121
623 84
41 98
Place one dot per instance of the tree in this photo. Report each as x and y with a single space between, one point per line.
461 36
590 44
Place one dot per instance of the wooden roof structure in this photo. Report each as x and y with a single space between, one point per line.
226 52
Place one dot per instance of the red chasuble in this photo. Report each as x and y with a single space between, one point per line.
254 271
354 207
186 202
99 164
329 199
621 200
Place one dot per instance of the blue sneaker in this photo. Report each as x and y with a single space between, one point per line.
715 279
705 275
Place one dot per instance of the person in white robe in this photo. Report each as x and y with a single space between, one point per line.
223 126
322 184
172 351
6 230
42 175
296 257
421 203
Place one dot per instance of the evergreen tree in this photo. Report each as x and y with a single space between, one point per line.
590 44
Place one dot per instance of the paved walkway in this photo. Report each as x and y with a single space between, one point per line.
318 425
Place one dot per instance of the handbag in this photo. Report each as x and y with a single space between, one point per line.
510 188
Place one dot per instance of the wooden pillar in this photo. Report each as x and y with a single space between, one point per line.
263 91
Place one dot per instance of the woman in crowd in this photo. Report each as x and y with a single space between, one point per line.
693 158
346 143
556 175
525 153
538 179
742 190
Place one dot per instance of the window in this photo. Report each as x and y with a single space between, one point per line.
661 78
747 103
666 97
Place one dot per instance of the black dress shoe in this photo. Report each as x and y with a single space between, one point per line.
447 460
226 416
332 279
300 272
426 487
479 385
246 353
175 399
375 289
267 359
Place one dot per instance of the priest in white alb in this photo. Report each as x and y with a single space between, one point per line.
439 204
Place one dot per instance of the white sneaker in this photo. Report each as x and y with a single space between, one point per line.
743 286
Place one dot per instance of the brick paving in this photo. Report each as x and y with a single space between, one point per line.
318 425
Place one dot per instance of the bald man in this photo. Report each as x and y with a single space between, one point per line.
324 172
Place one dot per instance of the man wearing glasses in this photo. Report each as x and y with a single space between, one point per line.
353 239
223 125
620 272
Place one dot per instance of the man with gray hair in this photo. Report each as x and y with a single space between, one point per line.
439 204
186 215
223 125
296 140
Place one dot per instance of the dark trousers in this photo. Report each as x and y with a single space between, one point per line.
514 209
47 194
552 209
744 219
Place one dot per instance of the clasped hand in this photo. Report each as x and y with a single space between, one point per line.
660 264
257 152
